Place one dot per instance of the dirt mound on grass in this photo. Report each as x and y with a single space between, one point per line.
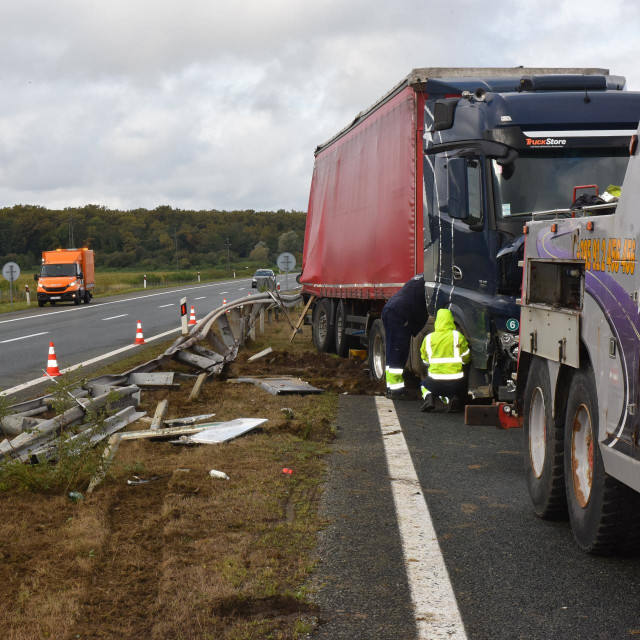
325 371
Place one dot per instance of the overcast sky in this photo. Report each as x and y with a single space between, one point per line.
219 104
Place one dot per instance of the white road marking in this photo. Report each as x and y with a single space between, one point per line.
31 383
241 289
171 304
200 298
114 317
103 304
33 335
223 292
434 603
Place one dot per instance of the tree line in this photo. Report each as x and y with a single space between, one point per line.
159 238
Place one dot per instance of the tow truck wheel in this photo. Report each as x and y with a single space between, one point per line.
87 297
377 355
604 513
323 325
76 300
41 303
343 340
543 446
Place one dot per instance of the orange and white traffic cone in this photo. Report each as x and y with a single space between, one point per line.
52 363
224 303
139 337
192 317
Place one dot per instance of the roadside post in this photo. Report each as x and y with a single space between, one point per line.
198 276
144 283
11 272
26 291
286 262
183 316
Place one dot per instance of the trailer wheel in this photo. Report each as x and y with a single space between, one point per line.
543 446
604 513
343 340
323 325
377 348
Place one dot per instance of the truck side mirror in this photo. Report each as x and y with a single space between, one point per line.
457 194
36 277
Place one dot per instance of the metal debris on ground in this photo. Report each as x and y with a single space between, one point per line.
225 431
280 385
260 354
156 379
138 480
175 422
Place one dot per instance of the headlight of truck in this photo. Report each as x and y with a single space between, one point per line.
73 283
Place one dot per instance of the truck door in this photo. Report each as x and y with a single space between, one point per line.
438 232
472 266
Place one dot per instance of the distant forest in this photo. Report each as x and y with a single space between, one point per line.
150 239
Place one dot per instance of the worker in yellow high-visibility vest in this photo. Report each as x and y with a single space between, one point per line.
445 351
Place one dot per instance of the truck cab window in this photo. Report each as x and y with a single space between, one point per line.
474 186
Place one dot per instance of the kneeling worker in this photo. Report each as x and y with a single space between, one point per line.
444 351
404 315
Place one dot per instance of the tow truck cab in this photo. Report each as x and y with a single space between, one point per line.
66 275
495 151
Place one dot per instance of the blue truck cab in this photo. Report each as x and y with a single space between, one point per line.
496 150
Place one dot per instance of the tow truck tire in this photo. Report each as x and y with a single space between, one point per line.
87 297
76 300
323 326
604 513
543 446
377 351
41 303
343 340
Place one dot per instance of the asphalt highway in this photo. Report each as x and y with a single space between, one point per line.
84 332
513 575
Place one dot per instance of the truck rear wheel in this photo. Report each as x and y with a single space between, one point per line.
343 340
604 513
377 355
87 297
543 446
323 326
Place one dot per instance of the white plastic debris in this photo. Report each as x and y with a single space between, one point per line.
218 474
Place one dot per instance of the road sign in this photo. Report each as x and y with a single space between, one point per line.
11 271
286 261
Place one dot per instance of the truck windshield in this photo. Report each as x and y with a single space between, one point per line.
545 180
55 270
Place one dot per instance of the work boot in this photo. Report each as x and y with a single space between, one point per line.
454 405
428 404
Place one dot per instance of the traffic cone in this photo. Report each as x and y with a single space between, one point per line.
52 363
192 317
139 337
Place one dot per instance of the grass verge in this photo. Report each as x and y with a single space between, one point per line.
184 555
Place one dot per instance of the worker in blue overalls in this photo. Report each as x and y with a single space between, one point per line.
404 315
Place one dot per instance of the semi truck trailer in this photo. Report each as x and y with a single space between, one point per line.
439 177
66 275
578 379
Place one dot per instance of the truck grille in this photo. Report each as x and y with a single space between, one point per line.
54 289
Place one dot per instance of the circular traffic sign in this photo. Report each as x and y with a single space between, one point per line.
286 261
11 271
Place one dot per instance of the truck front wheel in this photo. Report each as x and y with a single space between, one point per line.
543 445
377 355
41 303
604 513
323 325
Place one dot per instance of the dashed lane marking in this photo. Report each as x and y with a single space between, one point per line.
171 304
200 298
33 335
31 383
122 315
434 603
